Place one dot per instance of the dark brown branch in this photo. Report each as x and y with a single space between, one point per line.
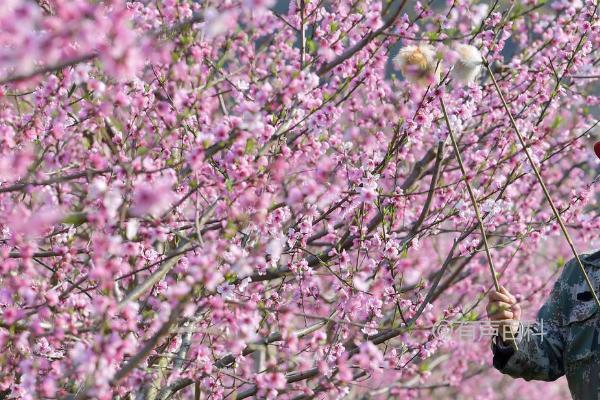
359 46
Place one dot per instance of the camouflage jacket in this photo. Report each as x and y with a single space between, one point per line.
569 345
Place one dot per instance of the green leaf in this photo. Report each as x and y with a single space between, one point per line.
75 219
86 143
471 316
556 123
517 9
142 150
250 145
451 32
433 35
172 161
560 262
230 230
311 45
231 277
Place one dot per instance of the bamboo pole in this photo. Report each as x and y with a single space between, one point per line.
475 207
543 186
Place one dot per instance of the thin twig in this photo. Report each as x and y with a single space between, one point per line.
157 275
361 44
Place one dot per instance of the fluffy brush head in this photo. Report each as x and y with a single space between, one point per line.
418 64
468 64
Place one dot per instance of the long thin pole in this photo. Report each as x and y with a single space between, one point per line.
544 189
472 196
474 203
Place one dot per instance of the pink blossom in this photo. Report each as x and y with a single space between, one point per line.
369 356
261 200
152 199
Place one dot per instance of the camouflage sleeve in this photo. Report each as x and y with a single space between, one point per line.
540 355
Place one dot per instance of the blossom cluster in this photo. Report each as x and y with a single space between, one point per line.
238 198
